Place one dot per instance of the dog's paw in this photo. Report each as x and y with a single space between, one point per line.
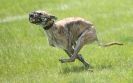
62 60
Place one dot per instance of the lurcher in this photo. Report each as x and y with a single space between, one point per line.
69 34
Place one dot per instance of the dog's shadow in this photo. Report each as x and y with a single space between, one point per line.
75 69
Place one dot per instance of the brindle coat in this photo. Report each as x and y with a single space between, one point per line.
70 34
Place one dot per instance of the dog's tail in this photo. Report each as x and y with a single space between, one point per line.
108 44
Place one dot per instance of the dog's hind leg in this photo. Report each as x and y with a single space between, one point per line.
83 61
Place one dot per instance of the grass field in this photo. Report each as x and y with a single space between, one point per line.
26 57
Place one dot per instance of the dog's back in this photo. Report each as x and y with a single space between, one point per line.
75 26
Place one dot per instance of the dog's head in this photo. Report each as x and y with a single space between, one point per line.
41 18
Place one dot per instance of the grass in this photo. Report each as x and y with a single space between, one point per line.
26 57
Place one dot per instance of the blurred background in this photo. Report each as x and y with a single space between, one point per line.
26 57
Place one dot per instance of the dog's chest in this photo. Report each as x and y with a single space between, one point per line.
57 39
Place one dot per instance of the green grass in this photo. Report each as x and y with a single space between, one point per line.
26 57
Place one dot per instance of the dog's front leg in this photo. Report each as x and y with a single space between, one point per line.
77 48
69 49
80 43
80 58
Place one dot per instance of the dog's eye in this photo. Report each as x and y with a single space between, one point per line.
39 13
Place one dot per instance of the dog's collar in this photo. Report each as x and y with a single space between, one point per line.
48 26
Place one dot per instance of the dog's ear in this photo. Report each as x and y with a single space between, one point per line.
53 17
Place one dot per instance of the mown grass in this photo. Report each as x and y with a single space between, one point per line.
26 57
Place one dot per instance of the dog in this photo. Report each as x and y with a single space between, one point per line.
69 34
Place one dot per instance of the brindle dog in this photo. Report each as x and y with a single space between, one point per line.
70 34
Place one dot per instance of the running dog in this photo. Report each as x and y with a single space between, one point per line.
69 34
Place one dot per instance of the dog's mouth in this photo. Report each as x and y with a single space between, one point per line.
35 18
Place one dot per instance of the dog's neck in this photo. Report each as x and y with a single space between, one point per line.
50 32
47 27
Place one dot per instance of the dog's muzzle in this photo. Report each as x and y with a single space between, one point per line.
35 18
